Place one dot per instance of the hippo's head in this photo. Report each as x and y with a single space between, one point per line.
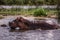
18 22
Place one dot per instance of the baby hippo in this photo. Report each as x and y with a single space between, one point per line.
31 25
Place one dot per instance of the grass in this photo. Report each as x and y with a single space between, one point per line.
26 12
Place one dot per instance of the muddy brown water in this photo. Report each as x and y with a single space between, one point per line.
6 34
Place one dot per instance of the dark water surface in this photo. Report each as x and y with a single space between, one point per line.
5 33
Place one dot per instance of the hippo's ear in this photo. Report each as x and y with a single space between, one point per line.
21 18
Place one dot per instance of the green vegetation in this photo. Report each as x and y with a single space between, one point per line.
58 9
28 12
33 12
28 2
40 12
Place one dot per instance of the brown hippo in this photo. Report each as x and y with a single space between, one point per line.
26 24
18 23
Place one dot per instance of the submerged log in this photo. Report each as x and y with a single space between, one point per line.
31 25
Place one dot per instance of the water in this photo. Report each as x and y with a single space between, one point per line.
5 33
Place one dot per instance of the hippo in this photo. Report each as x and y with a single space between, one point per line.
32 25
18 23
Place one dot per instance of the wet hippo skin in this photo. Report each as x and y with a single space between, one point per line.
31 25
